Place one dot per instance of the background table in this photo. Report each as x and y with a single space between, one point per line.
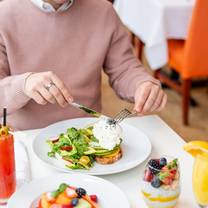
164 141
155 21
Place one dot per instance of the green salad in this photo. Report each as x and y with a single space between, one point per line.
78 148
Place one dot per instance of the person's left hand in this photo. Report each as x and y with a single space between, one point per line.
149 97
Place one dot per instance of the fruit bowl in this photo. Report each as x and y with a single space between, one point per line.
160 185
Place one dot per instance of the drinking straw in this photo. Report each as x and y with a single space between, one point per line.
4 116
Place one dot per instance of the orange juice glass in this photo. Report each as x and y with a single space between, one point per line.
200 179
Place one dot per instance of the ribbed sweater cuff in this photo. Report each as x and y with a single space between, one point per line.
17 89
138 81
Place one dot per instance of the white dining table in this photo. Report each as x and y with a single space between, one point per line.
155 21
164 142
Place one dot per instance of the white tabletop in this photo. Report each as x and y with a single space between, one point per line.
155 21
164 141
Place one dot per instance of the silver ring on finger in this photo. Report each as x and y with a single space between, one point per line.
48 86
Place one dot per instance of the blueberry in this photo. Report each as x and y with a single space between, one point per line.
163 162
156 183
80 192
154 166
74 202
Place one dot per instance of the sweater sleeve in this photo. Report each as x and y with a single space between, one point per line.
125 71
11 87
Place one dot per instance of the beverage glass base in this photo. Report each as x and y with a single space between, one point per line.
3 201
203 206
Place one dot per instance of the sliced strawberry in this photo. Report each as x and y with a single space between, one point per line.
56 206
148 176
165 168
67 148
50 198
174 171
66 206
167 181
73 187
71 193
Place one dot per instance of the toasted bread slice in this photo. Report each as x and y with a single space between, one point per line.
105 160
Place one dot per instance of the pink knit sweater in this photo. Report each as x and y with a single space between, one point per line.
76 44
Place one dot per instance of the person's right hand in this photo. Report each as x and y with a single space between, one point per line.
46 87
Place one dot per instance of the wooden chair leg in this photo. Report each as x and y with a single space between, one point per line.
186 86
133 39
156 73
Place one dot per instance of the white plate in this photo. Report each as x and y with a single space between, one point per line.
136 147
108 194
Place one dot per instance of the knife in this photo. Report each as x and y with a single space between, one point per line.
87 110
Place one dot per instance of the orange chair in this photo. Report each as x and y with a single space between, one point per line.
189 58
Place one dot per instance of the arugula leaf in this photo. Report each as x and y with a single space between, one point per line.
51 154
72 133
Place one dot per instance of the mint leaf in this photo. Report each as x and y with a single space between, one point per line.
163 175
62 187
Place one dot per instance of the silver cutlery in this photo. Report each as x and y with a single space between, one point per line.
115 120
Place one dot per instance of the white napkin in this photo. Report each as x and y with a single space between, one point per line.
22 163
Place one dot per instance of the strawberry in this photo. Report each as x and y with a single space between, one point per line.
61 206
167 181
71 193
148 176
94 198
165 169
172 173
56 206
66 206
50 198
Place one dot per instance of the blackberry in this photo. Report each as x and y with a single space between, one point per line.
154 166
81 192
163 162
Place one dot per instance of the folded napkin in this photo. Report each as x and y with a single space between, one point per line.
22 163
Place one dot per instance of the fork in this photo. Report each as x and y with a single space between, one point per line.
120 116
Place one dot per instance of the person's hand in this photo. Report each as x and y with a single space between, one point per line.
46 87
149 97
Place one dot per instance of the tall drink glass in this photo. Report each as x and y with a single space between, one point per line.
7 165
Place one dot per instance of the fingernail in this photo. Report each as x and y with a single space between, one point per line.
70 99
134 111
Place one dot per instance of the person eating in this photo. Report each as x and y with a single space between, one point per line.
53 52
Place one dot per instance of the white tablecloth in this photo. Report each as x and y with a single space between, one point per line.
154 21
164 141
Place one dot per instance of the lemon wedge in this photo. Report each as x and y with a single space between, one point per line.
197 148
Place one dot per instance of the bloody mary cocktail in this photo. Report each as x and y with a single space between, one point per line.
7 165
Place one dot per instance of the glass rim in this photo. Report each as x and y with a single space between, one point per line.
163 156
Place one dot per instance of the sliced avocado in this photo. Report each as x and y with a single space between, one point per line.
90 151
105 152
83 204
